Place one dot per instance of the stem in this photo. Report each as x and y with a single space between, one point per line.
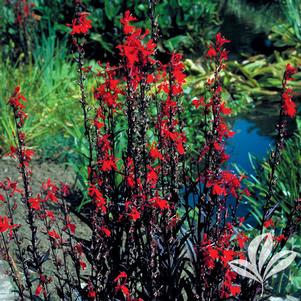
83 102
20 254
54 254
13 268
27 194
275 156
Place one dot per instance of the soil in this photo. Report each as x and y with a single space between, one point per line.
41 172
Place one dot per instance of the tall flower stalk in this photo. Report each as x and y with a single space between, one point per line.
287 110
24 156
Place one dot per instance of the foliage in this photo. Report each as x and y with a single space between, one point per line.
50 83
288 187
287 34
292 11
283 35
252 80
184 24
260 16
287 190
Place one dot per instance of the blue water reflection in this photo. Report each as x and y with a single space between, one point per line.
247 139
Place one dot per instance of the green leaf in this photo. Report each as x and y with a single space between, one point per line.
111 9
105 45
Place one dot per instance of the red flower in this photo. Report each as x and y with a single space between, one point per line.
217 146
13 151
49 186
280 237
5 224
27 155
218 190
155 153
127 29
83 265
81 24
223 56
34 203
159 203
51 196
152 177
106 231
98 124
228 255
71 227
289 71
180 78
135 214
220 40
130 52
39 289
2 199
65 189
150 79
108 164
122 275
92 294
211 52
213 253
234 290
180 148
15 99
198 102
123 289
50 214
246 192
225 110
288 106
269 223
134 48
100 201
242 239
53 234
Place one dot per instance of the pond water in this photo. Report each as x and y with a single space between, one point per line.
249 139
255 132
253 136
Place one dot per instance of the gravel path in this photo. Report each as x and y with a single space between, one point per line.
41 172
5 285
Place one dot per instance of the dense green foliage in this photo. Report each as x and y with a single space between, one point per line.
50 95
184 24
287 191
288 187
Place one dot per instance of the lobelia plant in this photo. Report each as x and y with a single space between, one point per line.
288 110
270 207
140 177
